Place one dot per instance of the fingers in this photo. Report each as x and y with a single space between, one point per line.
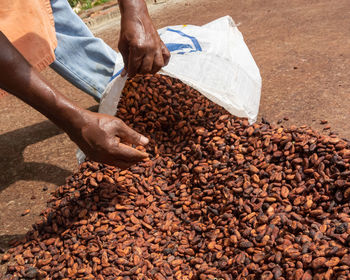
144 60
147 64
99 137
121 155
166 54
129 154
127 134
158 63
152 64
135 61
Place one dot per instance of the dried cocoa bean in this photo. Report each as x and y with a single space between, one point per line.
217 199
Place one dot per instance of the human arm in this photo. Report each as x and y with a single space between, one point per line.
97 135
140 45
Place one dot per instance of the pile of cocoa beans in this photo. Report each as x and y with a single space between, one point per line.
217 199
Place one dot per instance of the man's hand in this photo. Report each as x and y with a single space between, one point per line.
96 134
99 136
140 45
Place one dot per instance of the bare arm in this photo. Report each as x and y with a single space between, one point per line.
97 135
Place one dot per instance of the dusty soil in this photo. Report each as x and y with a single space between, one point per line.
301 48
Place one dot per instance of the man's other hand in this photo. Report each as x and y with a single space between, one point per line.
100 137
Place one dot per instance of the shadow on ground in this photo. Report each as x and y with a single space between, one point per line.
14 167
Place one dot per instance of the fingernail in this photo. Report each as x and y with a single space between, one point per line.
143 140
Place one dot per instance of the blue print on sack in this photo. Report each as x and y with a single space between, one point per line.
174 47
116 74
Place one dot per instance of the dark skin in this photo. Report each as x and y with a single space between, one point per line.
99 136
142 49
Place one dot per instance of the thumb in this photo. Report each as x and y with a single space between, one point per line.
165 53
127 134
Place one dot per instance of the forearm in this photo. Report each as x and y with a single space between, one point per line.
133 7
97 135
19 78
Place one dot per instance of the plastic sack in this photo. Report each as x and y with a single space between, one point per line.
212 59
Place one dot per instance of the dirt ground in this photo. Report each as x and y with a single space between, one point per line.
301 48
